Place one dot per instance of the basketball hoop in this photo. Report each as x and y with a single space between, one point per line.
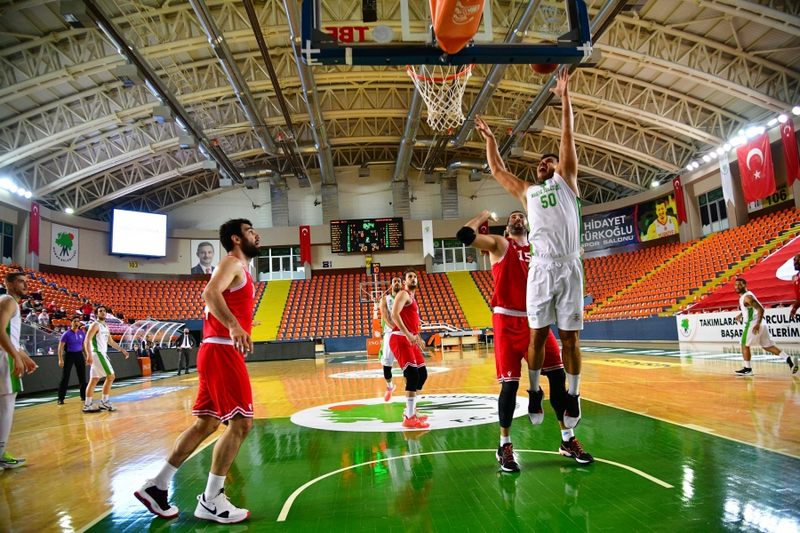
442 87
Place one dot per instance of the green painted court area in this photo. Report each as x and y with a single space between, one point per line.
649 475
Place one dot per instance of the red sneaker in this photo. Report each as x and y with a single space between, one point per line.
388 394
414 423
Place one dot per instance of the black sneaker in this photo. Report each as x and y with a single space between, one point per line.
156 500
744 372
535 411
789 361
572 412
505 456
572 448
60 402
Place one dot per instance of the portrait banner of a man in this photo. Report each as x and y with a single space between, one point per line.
204 256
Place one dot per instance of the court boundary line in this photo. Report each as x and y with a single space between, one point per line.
287 505
108 512
699 429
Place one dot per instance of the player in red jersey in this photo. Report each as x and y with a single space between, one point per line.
224 393
407 346
510 257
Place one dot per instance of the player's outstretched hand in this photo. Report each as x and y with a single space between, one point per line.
483 129
562 83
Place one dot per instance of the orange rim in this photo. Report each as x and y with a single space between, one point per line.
438 79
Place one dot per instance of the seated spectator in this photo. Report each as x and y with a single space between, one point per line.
36 296
86 309
51 307
60 314
32 319
26 305
44 319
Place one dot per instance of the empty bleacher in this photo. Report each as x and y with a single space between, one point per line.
330 305
699 263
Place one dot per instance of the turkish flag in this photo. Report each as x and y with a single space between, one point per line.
790 153
755 168
680 201
305 244
483 229
33 229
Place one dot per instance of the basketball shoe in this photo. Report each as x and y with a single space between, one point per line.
744 372
505 456
388 394
156 500
535 411
105 405
91 408
7 462
572 413
414 423
219 509
572 448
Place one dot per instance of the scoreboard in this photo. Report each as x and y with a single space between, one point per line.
367 235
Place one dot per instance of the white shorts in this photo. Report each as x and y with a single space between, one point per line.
762 339
555 293
8 383
101 366
387 357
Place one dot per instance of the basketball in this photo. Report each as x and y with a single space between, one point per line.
546 68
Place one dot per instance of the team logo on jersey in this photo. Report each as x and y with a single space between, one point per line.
373 415
378 373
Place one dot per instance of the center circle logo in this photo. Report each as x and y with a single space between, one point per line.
373 415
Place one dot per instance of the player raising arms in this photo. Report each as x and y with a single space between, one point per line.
555 276
509 257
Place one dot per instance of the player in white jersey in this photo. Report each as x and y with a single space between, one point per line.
555 276
754 333
95 347
387 357
14 362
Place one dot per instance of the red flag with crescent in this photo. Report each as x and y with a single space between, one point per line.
680 201
33 231
755 169
305 244
790 152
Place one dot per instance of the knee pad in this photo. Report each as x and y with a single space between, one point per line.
423 377
387 373
506 402
558 391
411 373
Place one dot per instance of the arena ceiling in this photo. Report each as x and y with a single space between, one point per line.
675 80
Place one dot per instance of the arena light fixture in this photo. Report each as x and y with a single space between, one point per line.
772 122
69 210
713 154
654 184
783 118
719 151
754 131
738 140
706 158
796 110
689 167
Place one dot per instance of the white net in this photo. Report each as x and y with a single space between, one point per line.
442 87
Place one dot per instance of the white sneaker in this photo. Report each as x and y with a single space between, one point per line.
105 405
156 500
91 408
219 509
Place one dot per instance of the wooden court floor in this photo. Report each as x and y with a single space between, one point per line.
680 441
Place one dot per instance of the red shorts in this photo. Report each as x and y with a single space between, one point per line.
511 338
224 390
407 354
